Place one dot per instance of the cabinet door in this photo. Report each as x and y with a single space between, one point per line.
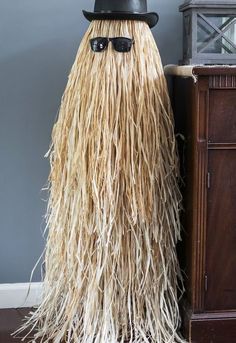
221 232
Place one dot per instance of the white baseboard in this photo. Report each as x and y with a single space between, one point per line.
15 295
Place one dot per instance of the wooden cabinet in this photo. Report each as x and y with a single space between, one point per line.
205 113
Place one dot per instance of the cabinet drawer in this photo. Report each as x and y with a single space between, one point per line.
222 116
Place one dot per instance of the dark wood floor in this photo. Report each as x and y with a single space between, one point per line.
10 320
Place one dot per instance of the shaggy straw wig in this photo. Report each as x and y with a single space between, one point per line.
113 213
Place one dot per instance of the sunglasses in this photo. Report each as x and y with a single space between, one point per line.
120 44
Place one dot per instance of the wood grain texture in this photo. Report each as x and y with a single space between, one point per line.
222 118
221 233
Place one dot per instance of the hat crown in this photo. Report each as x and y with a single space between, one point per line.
135 6
122 10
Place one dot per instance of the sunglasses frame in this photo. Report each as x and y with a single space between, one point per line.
107 40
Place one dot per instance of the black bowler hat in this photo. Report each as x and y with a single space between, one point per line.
122 10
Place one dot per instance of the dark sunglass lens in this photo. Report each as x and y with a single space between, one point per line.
98 44
122 44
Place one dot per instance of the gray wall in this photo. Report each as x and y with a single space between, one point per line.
38 43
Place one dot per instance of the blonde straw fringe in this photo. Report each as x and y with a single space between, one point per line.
113 213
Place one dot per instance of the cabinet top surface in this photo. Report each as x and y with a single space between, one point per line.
198 70
209 70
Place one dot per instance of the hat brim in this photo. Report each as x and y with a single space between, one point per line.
151 18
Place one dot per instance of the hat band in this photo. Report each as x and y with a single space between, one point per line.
125 12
